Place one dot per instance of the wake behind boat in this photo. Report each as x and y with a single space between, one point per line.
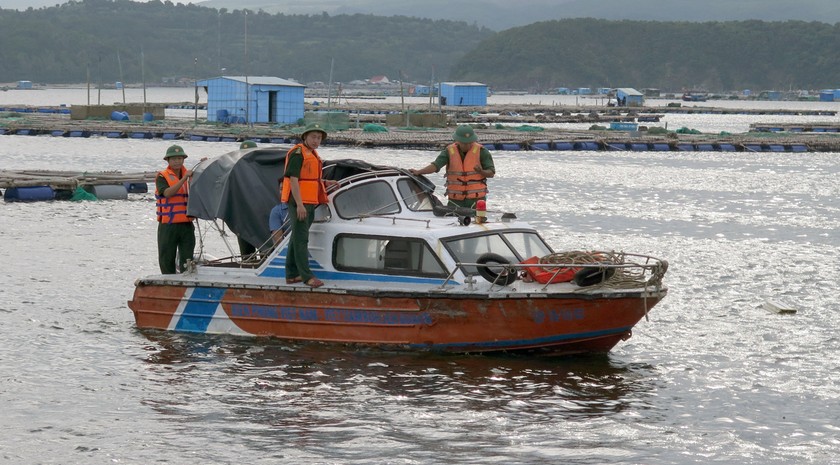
402 272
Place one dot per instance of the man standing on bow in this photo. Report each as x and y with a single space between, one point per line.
468 165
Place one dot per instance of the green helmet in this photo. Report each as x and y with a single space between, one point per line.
247 144
465 134
174 151
314 127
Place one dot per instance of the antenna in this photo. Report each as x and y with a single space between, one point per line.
195 84
329 87
143 74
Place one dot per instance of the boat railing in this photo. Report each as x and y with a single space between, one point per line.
625 270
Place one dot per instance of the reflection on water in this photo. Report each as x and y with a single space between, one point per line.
326 400
570 387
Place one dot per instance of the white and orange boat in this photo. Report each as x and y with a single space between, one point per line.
403 272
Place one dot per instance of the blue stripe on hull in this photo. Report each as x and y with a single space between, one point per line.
199 311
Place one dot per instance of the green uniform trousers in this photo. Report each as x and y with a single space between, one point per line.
297 257
175 240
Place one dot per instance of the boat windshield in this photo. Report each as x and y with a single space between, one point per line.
513 246
378 198
414 196
372 198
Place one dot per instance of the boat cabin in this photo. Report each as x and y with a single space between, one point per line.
385 224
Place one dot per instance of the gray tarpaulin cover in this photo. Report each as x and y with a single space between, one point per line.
241 188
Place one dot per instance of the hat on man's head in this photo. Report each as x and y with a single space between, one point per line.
247 144
174 151
465 134
314 127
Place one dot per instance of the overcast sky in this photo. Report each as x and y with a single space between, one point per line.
24 4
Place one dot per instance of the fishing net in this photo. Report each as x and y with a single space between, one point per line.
80 194
685 130
370 127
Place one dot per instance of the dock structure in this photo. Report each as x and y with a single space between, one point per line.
795 128
34 185
627 133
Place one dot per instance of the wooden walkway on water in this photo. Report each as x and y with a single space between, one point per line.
70 180
494 130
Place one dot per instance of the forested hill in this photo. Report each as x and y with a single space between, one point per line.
716 56
60 44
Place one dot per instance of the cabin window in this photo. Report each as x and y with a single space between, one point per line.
386 255
527 244
513 246
373 198
468 249
414 196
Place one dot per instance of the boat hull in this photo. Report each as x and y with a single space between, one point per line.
564 323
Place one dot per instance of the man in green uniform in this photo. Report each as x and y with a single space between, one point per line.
468 165
176 233
303 190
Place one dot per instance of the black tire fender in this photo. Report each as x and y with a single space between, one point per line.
505 278
592 276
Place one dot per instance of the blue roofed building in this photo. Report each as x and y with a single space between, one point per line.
628 97
463 94
253 99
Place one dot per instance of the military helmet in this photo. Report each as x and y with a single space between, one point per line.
174 151
314 127
465 134
247 144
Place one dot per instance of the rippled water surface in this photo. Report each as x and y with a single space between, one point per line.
711 378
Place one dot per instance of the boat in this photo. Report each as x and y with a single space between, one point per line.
402 272
695 96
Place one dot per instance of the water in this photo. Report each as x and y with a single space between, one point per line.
711 378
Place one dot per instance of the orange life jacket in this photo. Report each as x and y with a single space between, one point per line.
312 188
462 181
173 209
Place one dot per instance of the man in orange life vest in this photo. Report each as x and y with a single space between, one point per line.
175 234
468 165
303 190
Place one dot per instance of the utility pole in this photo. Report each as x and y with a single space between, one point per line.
247 86
195 84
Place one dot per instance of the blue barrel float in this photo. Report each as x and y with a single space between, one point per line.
541 146
564 146
29 194
221 116
586 146
119 115
148 117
